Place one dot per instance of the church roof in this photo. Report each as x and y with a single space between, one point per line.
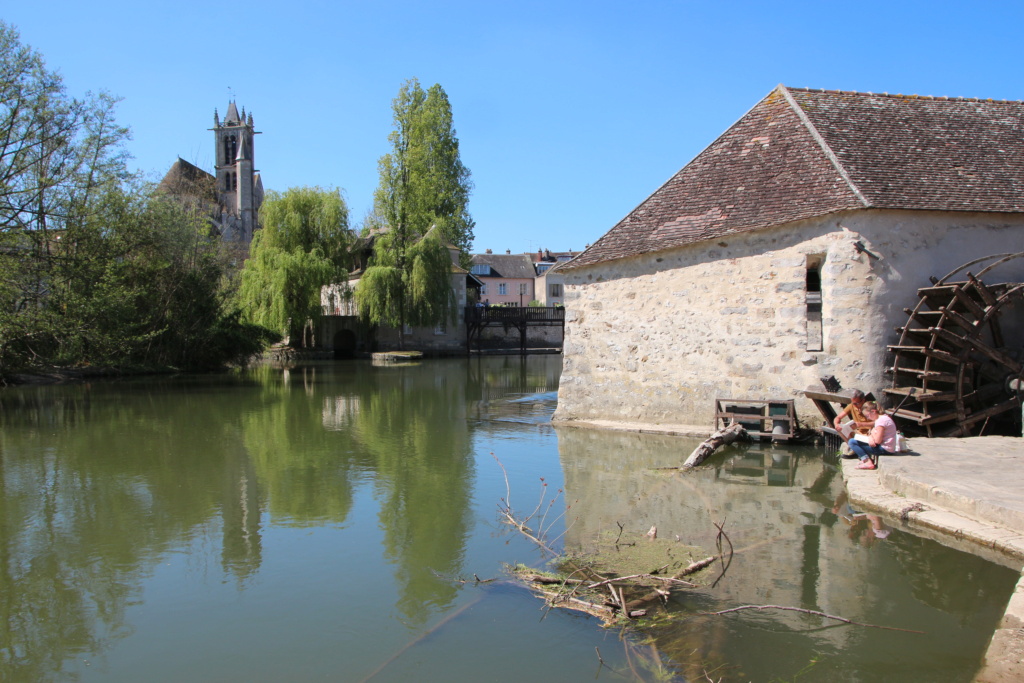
186 179
804 153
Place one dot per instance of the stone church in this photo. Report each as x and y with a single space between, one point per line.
234 193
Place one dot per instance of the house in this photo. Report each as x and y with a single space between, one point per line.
787 251
550 285
342 332
508 279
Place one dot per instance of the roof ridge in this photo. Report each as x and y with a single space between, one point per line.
904 97
802 115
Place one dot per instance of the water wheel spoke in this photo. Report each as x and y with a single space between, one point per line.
968 302
984 292
981 347
961 321
922 395
983 395
926 318
943 356
991 411
926 375
925 418
908 351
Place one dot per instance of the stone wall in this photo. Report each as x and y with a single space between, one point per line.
536 338
657 338
340 325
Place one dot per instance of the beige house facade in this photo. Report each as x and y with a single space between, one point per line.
787 251
342 332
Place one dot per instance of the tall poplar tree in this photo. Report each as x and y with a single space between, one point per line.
421 206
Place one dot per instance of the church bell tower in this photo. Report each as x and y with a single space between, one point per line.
239 186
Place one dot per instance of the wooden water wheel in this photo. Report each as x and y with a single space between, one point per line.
958 363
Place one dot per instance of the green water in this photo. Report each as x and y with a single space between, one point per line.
326 522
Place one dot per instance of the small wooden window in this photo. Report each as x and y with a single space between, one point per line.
815 328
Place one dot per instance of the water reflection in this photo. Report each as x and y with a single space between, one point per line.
101 481
294 524
798 544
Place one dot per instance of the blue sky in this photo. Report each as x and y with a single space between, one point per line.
569 114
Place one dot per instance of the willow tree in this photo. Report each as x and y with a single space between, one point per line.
421 207
302 246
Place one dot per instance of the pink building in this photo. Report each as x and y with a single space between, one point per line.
508 278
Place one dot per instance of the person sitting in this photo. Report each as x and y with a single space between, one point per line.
857 422
880 440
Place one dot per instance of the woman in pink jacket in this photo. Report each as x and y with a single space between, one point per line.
881 440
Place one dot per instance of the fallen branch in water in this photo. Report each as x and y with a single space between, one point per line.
423 636
718 542
734 432
805 611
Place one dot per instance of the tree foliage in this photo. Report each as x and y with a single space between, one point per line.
303 245
94 267
423 182
420 207
407 288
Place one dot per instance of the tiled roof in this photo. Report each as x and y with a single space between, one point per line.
188 180
507 265
803 153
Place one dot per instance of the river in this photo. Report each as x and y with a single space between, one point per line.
328 522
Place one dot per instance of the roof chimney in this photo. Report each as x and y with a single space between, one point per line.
508 251
488 252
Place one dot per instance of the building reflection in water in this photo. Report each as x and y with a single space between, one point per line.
797 543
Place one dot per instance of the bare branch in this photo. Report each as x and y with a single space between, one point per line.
806 611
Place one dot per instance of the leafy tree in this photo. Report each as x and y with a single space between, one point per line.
57 155
302 246
140 284
95 268
420 207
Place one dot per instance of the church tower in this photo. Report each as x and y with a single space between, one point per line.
239 186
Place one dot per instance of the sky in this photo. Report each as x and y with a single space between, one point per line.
569 114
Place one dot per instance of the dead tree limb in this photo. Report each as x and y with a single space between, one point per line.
807 611
734 432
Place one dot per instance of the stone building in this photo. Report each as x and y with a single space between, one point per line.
232 195
787 251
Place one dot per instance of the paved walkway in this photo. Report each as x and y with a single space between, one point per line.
966 493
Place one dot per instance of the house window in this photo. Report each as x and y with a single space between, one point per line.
522 289
556 290
441 328
483 289
502 288
815 330
480 269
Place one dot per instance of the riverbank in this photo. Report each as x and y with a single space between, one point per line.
964 493
70 375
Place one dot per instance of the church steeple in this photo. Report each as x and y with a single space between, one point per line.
239 189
